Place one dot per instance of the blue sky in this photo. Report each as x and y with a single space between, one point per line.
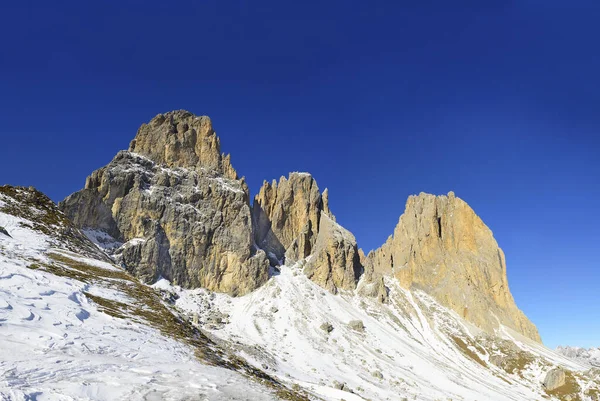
497 101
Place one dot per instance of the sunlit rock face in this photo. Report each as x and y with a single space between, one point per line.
293 222
442 247
181 139
176 202
287 216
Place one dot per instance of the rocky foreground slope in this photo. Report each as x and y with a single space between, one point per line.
280 283
73 326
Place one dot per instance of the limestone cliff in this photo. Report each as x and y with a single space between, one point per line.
288 213
293 222
177 203
442 247
181 139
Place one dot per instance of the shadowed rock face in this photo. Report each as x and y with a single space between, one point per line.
442 247
177 203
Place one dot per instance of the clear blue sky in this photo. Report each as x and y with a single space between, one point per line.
498 101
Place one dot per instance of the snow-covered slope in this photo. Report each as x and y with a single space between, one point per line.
74 327
412 348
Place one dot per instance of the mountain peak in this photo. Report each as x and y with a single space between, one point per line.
441 246
181 139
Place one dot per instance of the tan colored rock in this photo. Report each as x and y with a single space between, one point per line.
335 262
371 283
176 203
181 139
554 379
442 247
292 221
287 214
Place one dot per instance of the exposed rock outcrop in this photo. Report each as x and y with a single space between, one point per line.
334 263
174 200
442 247
181 139
287 215
293 221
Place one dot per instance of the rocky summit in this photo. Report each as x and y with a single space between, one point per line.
176 204
287 216
293 221
442 247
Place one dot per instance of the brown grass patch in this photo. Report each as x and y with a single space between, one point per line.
149 309
464 347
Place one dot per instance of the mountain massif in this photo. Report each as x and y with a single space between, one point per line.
166 237
184 215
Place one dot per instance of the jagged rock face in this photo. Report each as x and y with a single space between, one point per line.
287 214
335 262
293 222
181 139
442 247
586 355
178 206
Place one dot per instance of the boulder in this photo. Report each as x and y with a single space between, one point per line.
327 327
554 379
4 232
357 325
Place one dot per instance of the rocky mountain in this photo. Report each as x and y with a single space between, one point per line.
287 216
443 248
75 326
275 289
293 222
177 204
175 201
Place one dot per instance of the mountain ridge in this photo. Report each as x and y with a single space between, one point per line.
159 198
